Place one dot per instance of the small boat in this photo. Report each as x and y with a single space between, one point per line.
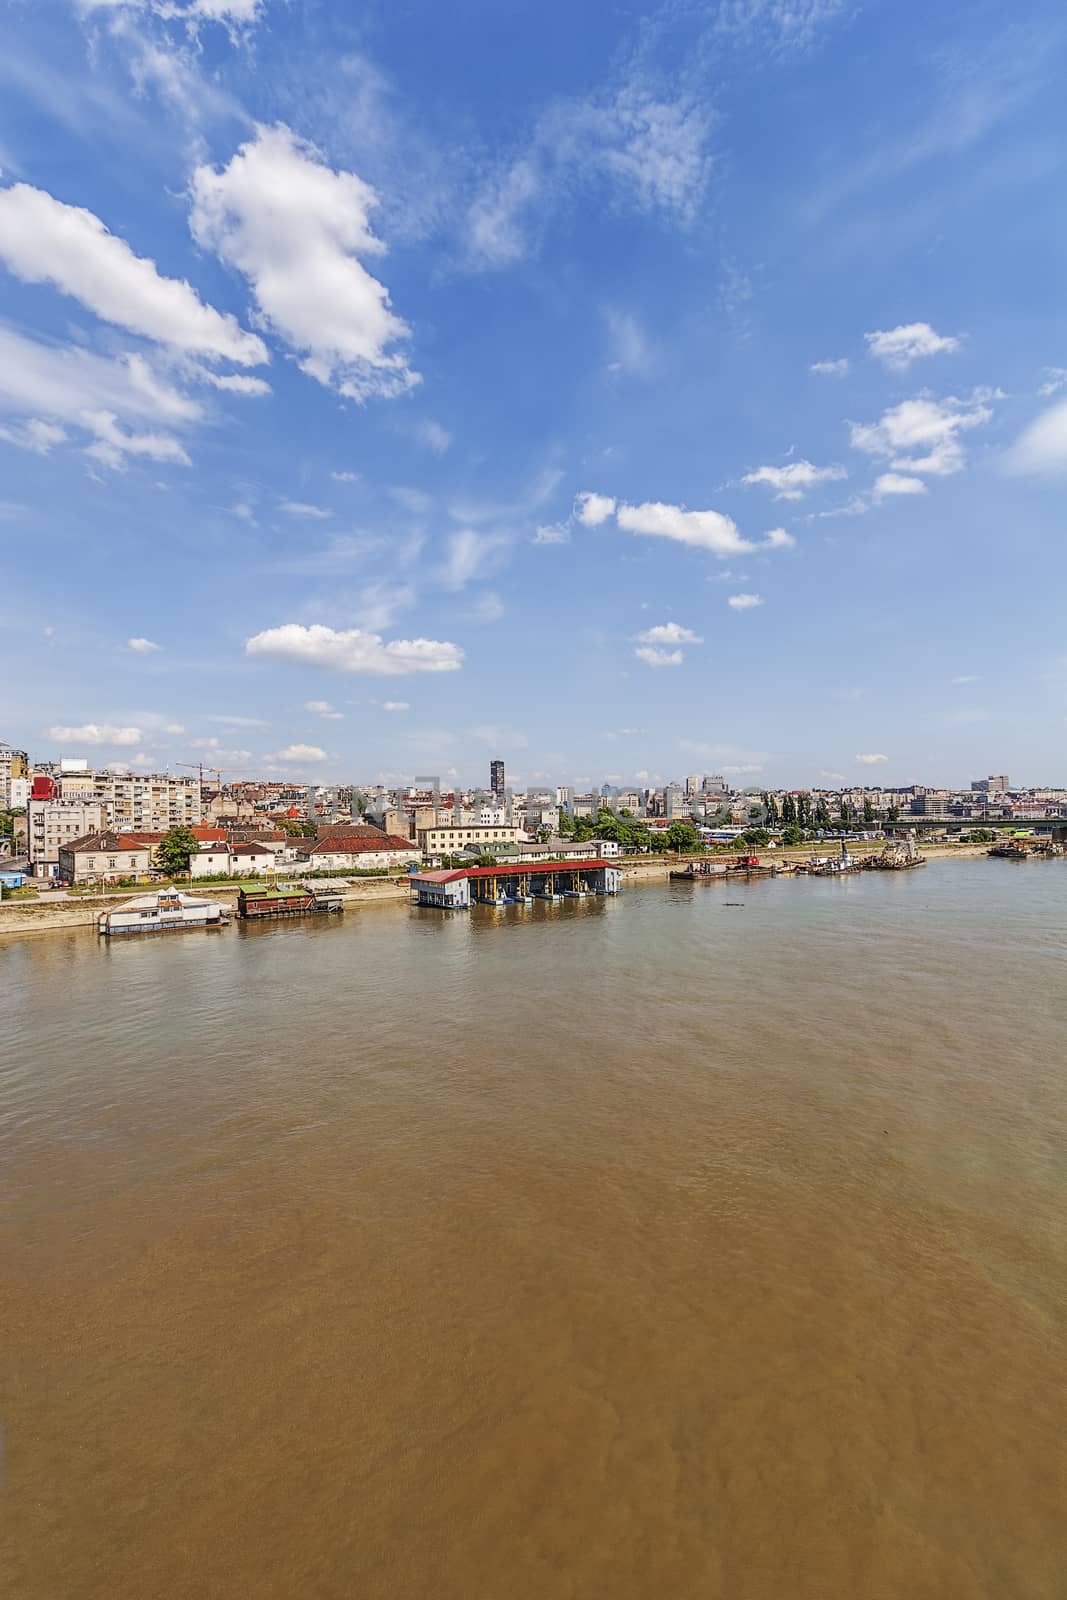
1012 850
896 858
161 912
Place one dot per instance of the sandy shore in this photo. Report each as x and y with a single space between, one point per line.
22 917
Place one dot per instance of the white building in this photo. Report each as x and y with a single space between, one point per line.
52 823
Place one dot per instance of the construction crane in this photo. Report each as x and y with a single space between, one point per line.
198 766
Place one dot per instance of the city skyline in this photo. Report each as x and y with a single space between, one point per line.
615 395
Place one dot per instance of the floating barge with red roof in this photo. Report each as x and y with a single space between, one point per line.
462 887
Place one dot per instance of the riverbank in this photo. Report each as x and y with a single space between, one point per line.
24 917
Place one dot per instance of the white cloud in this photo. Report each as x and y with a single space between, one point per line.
1041 448
872 760
396 705
230 12
704 530
792 482
744 602
967 677
652 656
40 437
42 240
593 509
553 533
238 383
778 25
296 229
830 369
141 647
431 435
354 650
96 733
237 722
927 426
65 385
651 151
345 477
470 555
323 709
300 508
298 753
891 483
205 744
1055 378
897 348
669 633
631 350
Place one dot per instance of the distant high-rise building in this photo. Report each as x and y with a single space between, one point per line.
692 783
997 784
496 778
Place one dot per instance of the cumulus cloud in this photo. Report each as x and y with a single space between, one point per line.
43 240
891 483
652 656
354 651
226 721
323 709
830 369
659 646
39 437
669 633
141 647
793 481
1041 448
553 533
897 348
396 705
96 733
237 383
296 230
921 435
593 509
873 759
298 753
744 602
703 530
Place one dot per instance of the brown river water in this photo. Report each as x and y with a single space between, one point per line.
649 1247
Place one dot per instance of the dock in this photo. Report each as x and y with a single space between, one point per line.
461 888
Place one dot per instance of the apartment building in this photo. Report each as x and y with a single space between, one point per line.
446 838
52 824
14 764
146 804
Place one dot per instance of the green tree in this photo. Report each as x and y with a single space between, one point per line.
791 834
893 814
868 813
822 813
757 838
175 850
682 836
770 807
789 811
846 814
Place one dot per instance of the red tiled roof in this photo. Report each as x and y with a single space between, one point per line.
355 844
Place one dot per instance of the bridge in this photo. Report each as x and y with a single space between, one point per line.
1055 826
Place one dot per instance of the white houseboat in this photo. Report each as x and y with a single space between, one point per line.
159 912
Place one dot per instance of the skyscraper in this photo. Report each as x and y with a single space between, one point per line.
496 778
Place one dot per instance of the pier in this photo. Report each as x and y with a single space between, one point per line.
462 887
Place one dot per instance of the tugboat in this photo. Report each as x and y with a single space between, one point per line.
161 912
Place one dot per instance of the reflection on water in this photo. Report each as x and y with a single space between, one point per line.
603 1249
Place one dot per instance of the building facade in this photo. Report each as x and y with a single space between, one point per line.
102 856
50 824
434 840
13 764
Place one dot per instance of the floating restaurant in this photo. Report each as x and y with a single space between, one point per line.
463 887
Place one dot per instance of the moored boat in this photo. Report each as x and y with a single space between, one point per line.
161 912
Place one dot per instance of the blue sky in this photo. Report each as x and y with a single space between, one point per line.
623 390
